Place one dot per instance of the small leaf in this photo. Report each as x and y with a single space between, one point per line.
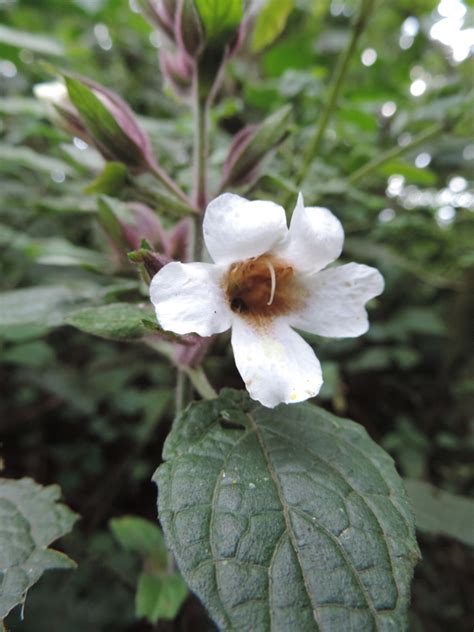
30 520
270 22
298 522
48 305
141 536
159 596
440 512
117 321
219 18
110 181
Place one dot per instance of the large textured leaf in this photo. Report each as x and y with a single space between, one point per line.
286 519
30 519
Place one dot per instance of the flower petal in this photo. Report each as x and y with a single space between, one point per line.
335 305
315 238
188 298
236 229
276 364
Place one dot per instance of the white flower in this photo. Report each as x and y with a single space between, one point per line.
266 280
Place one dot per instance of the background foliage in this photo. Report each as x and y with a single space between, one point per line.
86 413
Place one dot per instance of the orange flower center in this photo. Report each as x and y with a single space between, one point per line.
263 286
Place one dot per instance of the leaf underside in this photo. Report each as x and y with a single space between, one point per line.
286 519
30 519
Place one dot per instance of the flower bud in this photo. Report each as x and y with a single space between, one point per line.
161 14
151 261
178 71
189 32
59 108
98 115
111 123
251 145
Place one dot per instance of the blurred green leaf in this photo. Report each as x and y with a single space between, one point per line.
30 520
49 305
110 181
270 22
159 596
288 518
141 536
43 44
440 512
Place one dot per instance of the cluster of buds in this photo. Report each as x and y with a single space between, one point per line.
200 38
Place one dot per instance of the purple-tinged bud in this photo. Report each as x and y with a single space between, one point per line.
251 145
161 14
144 224
176 244
59 108
189 32
191 352
111 124
178 71
151 261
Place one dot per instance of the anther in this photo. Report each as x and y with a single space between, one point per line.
273 281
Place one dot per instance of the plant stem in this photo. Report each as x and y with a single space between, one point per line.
395 152
180 391
200 114
335 86
200 382
169 184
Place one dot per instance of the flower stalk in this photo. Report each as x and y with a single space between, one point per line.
358 26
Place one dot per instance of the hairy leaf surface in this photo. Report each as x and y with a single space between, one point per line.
286 519
30 519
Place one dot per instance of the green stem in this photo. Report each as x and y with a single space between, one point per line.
200 382
334 89
372 165
200 114
180 391
169 184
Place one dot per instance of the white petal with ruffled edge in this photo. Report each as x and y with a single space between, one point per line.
335 302
276 364
236 229
314 240
188 299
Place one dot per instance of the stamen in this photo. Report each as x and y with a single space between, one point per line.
273 280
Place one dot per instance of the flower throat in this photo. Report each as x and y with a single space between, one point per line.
262 287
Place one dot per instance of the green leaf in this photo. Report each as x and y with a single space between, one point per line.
30 519
48 305
110 180
270 22
159 596
141 536
286 519
14 157
440 512
37 43
117 321
219 17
